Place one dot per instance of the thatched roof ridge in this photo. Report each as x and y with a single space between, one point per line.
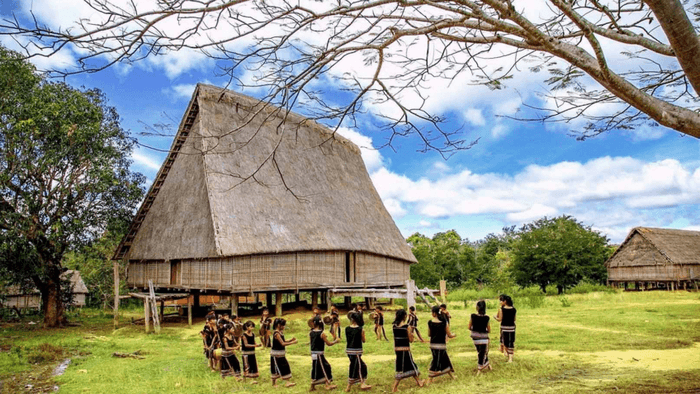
677 246
273 182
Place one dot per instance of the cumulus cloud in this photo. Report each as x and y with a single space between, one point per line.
370 155
475 117
143 159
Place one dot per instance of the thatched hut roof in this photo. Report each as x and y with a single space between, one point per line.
677 246
251 179
76 280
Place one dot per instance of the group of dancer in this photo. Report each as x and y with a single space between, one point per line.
224 335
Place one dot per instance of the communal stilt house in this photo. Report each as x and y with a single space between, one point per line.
656 258
252 199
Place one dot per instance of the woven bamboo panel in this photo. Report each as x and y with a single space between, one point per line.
396 270
226 273
371 268
240 271
317 268
134 274
649 273
162 273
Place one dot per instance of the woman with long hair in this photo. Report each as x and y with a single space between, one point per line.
481 327
320 368
508 328
439 331
355 336
248 345
403 336
279 366
229 361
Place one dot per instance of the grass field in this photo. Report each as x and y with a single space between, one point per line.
601 342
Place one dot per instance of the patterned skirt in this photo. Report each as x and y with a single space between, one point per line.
250 365
508 335
481 342
320 369
279 366
229 364
441 363
358 369
405 366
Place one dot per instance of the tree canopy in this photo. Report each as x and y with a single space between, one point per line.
615 63
64 176
559 251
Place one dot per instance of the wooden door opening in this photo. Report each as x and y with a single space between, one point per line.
175 268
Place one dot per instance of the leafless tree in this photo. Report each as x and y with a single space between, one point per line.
407 43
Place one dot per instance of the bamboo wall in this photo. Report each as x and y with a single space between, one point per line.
653 273
283 271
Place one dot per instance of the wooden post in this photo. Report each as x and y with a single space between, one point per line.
314 298
278 304
443 290
234 304
189 310
268 301
162 310
410 293
348 301
116 294
297 297
146 315
329 300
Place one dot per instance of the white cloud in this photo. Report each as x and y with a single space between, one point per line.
500 130
425 223
145 160
370 155
474 116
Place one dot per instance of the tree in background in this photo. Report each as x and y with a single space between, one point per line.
559 251
64 177
493 259
444 257
94 261
405 44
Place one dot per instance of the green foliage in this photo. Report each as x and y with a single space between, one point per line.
564 302
532 297
65 176
586 286
445 256
559 252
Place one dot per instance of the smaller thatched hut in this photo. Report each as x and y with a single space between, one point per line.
14 297
656 258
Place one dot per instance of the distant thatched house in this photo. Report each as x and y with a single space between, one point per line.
220 218
655 257
14 297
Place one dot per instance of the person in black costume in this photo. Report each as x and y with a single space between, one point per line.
248 345
210 338
355 336
439 331
279 366
403 336
413 322
320 368
358 308
480 327
506 315
229 361
379 323
335 322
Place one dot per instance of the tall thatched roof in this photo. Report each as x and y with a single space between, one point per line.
677 246
244 178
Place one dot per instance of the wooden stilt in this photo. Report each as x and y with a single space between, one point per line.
348 301
234 304
146 315
162 310
278 302
314 299
189 310
297 297
410 293
329 301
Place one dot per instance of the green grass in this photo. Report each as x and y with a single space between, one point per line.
601 342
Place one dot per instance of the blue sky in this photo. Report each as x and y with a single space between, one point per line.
517 173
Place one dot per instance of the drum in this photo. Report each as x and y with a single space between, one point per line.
217 353
373 315
237 330
327 320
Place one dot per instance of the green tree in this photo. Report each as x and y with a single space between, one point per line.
559 251
64 178
94 261
444 257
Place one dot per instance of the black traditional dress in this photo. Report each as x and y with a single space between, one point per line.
229 361
405 366
358 369
508 329
480 336
413 322
250 364
209 338
279 366
441 363
320 368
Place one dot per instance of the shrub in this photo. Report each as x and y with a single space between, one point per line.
564 302
586 286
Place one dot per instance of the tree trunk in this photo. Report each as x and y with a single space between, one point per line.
51 303
560 289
